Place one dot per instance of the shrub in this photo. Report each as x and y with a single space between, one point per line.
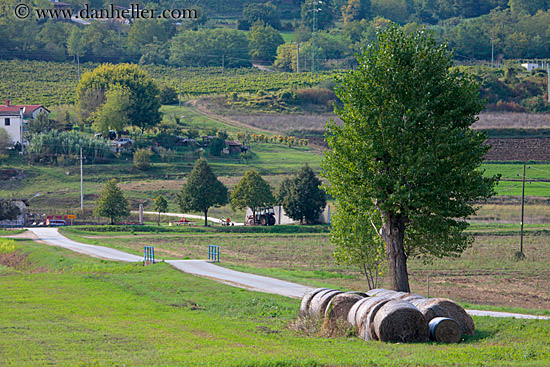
142 159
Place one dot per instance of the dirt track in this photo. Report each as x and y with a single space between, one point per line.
519 149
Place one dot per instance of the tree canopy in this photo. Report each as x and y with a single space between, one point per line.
406 148
202 190
111 202
144 103
161 205
301 196
253 192
8 210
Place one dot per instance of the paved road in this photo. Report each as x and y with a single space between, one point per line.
208 270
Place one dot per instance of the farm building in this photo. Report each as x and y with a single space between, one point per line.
13 118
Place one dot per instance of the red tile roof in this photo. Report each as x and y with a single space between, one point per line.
29 108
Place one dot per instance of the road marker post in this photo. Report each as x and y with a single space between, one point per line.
149 256
214 253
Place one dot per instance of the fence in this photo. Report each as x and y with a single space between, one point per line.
214 253
5 224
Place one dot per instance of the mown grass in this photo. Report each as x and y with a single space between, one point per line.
486 273
62 308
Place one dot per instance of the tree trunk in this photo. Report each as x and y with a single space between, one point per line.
393 233
206 218
158 220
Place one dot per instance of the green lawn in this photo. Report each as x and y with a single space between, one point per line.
60 308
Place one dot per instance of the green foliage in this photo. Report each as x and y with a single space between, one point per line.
168 94
210 47
114 113
252 191
5 140
111 202
52 145
264 12
263 41
301 196
40 124
8 210
142 159
322 10
407 147
202 190
161 205
216 146
144 103
354 234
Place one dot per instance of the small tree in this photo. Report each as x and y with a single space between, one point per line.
216 146
252 191
354 234
202 190
5 142
161 205
142 159
111 202
301 196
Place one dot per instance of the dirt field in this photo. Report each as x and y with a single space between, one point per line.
520 149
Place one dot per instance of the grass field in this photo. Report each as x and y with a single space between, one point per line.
485 274
64 309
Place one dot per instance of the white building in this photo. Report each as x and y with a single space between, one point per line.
13 118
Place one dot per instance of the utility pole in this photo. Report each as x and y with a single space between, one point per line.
298 57
314 34
179 95
522 211
78 63
492 47
81 184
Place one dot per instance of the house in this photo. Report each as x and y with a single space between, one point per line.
234 146
13 118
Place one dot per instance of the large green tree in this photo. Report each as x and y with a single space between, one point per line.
253 192
111 202
202 190
144 103
301 196
263 41
406 148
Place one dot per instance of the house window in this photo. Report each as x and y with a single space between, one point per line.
6 122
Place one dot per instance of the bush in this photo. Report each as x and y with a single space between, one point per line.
142 159
216 146
168 95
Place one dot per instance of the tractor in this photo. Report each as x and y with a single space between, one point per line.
264 217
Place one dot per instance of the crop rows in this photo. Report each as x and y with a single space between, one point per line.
51 83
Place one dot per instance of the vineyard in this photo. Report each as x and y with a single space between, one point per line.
52 83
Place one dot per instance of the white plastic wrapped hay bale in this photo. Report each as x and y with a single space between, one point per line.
444 330
400 321
304 307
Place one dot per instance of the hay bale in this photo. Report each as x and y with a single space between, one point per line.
374 292
445 330
443 307
320 301
367 308
338 309
362 294
411 296
304 307
353 311
400 321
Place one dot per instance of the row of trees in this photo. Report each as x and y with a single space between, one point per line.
300 195
519 29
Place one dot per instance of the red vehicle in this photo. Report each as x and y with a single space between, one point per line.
182 221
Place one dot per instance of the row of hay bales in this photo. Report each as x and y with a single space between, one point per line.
389 316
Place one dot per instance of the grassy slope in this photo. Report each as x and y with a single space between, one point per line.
94 312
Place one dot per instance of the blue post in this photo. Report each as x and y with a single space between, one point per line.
214 253
149 254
